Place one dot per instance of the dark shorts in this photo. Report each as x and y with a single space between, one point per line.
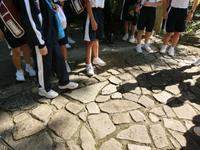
146 19
127 13
64 40
89 34
176 21
12 41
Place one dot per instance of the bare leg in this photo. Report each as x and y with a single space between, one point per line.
167 38
139 36
147 36
26 53
126 27
175 39
16 58
95 49
89 46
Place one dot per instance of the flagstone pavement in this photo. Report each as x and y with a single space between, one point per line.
137 102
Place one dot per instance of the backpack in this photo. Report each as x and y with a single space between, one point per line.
77 6
9 15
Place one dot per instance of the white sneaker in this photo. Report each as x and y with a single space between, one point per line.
163 49
147 48
71 41
70 85
68 46
197 130
30 70
20 75
197 63
125 37
171 51
89 70
132 39
99 61
139 48
51 94
68 67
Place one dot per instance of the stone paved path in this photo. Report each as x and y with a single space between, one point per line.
137 102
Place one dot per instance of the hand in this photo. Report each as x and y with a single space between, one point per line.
189 17
137 8
94 25
43 51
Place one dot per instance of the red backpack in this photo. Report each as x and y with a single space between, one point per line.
9 15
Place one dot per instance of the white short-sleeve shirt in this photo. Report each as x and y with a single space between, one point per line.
97 3
180 3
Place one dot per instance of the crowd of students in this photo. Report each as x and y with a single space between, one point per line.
42 25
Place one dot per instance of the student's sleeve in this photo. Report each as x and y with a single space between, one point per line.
34 19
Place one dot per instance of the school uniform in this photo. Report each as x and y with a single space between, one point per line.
147 17
10 24
177 14
97 9
127 13
43 29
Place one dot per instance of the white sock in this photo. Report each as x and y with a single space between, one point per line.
28 65
89 65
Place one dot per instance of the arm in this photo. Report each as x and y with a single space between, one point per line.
153 4
35 23
91 16
191 13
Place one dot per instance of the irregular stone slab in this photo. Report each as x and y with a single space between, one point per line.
189 124
6 122
116 106
109 89
169 112
93 108
137 133
125 76
197 106
115 80
145 91
113 72
64 124
101 125
185 112
137 116
120 118
138 147
44 100
112 144
131 97
159 136
163 97
73 146
27 127
60 102
87 141
83 115
42 112
87 94
158 111
173 89
174 125
137 91
102 98
153 117
116 95
180 138
60 146
21 117
175 143
146 101
41 141
75 108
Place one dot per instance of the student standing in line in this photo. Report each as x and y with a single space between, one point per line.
94 28
42 28
15 37
129 17
177 17
146 22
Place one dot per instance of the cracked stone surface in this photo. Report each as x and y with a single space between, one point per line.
142 102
